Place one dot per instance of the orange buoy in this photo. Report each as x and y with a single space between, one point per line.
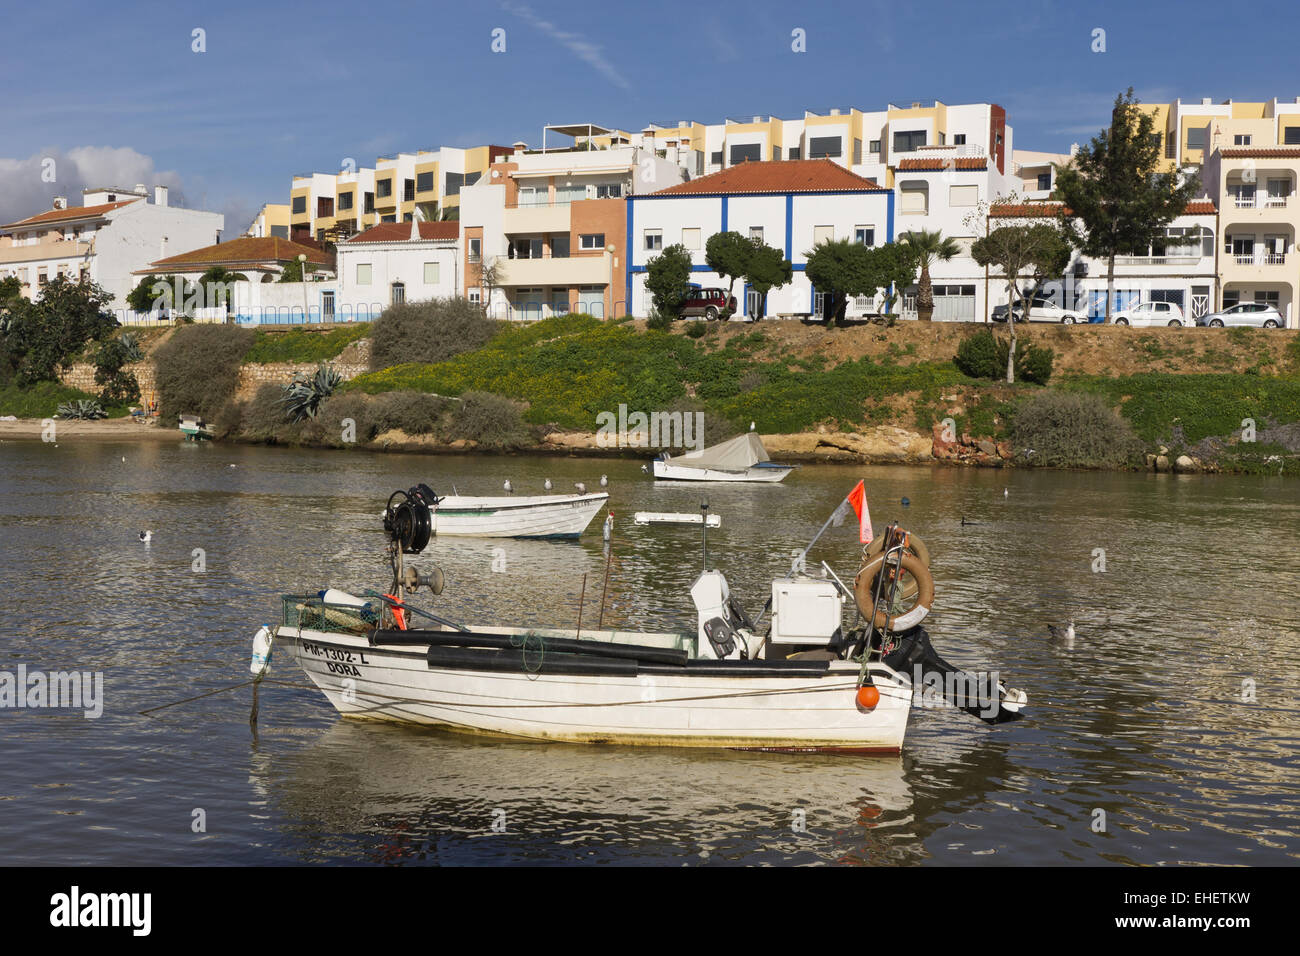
868 696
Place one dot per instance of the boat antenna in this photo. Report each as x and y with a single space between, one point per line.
802 556
704 523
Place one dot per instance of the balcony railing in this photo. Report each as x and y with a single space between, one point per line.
1260 259
1253 201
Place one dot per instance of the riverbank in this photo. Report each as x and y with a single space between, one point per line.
104 429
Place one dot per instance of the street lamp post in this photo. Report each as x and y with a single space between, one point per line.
302 275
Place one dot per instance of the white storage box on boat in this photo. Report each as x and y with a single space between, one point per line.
805 610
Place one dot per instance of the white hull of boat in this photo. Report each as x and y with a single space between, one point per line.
788 713
541 516
666 470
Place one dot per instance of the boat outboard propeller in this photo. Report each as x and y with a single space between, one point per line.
409 522
978 695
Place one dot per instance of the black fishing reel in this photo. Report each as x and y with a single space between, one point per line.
408 522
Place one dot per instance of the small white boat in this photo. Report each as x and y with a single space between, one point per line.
740 459
513 516
811 683
195 428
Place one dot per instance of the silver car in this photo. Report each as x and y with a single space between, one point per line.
1151 313
1257 314
1042 309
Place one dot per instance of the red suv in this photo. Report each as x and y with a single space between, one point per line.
709 303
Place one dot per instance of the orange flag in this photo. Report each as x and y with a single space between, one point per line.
858 499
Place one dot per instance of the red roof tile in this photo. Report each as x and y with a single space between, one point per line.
1200 207
75 212
1197 207
246 252
778 176
941 162
401 231
1262 152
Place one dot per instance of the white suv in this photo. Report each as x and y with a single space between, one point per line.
1151 313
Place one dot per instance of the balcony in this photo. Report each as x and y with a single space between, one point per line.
537 217
1260 259
586 268
1257 266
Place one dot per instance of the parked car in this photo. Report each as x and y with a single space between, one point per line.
708 303
1258 314
1042 309
1151 313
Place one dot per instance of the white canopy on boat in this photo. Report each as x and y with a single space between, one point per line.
738 454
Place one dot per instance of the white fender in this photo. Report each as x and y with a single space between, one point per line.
262 642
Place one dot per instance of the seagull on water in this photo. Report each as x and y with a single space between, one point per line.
146 537
1063 634
547 484
510 489
604 482
1006 492
582 489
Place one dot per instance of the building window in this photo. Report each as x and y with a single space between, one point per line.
866 235
1155 141
1196 139
370 202
525 248
874 147
408 190
609 191
959 139
914 199
475 296
746 153
475 250
424 182
691 238
363 273
792 152
823 147
906 141
452 184
345 201
391 217
756 233
1291 136
560 246
1241 139
324 207
407 216
398 293
327 306
823 234
654 240
383 188
299 205
1268 298
857 151
715 159
963 195
592 240
1045 181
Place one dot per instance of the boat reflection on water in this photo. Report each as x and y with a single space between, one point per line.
393 795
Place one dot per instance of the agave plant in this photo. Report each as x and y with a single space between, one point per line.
86 408
131 350
302 396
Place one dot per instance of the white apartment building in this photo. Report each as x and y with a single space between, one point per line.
791 205
394 263
113 233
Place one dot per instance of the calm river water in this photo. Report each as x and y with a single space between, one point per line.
1143 718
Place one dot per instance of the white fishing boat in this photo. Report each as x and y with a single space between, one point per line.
740 459
811 682
512 516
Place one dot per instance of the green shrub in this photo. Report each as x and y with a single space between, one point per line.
1033 363
659 321
415 413
977 356
304 345
42 400
340 418
197 369
264 417
303 395
83 408
428 332
110 359
696 329
1073 430
490 420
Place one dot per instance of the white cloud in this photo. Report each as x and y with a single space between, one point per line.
25 191
590 53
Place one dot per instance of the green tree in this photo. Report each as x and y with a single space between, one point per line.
158 290
668 280
843 268
767 269
929 247
215 285
44 335
1114 200
293 271
1041 249
728 254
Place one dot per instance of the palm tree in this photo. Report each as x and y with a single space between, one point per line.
930 247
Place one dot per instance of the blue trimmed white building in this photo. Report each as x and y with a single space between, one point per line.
792 205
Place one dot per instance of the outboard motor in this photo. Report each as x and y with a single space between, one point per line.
725 631
914 656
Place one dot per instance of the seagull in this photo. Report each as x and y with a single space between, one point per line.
232 466
1006 492
510 489
582 489
124 458
645 469
751 426
1065 634
146 536
604 482
609 525
547 484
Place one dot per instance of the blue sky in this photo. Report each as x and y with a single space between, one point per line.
116 90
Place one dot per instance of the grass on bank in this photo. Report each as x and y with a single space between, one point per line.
42 400
302 346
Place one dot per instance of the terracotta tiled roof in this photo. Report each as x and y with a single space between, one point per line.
938 162
778 176
1197 207
401 231
1262 152
244 252
76 212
